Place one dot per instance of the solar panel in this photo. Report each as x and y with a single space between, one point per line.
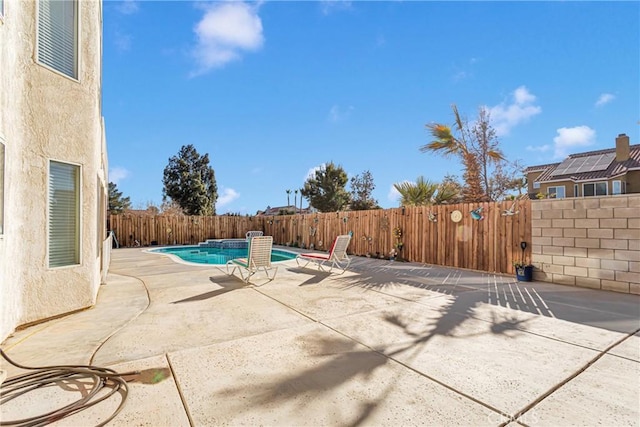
564 167
593 163
604 161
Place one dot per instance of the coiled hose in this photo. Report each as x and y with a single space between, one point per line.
40 377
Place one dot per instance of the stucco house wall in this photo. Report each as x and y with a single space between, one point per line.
44 116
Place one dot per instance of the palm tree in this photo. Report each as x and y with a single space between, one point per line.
419 193
445 142
288 200
295 199
470 154
447 193
301 200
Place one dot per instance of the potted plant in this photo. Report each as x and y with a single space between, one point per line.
524 269
395 251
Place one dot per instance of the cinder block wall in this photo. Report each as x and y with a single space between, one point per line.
592 242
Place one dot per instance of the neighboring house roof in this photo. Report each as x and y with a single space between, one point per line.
279 209
588 166
539 168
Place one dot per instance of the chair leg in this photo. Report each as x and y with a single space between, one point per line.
310 261
306 262
342 266
248 272
233 269
322 266
275 270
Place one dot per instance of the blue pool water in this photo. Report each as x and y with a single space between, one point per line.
217 255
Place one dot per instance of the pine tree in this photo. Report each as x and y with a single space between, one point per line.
361 189
326 189
190 182
117 203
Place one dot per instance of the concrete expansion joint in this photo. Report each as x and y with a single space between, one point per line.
286 305
36 331
183 399
619 342
390 357
572 376
416 371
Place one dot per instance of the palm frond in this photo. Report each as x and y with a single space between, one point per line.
419 193
495 155
444 141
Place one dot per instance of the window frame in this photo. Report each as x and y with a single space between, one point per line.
595 188
76 41
78 212
564 192
621 190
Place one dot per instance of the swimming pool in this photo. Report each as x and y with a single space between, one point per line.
219 254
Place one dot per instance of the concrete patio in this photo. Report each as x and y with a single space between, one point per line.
384 344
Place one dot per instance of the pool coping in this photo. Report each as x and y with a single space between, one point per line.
177 259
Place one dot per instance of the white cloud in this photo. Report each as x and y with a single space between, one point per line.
128 7
228 195
338 114
506 116
393 194
122 41
465 72
460 75
224 32
539 148
523 96
604 99
570 139
311 173
117 174
329 6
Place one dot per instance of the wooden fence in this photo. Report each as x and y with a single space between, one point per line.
429 235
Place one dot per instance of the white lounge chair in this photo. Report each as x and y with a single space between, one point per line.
259 257
337 256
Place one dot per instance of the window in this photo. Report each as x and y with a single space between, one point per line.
575 190
556 192
58 35
618 187
1 186
64 214
594 189
536 184
1 9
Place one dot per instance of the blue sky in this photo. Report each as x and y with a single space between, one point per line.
271 90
